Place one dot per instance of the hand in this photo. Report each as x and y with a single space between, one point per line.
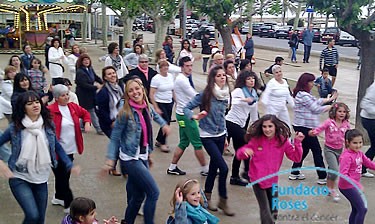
45 99
312 133
334 96
226 144
300 136
76 170
336 66
248 99
199 116
5 171
249 152
157 109
166 130
112 220
150 162
178 195
87 127
318 85
98 85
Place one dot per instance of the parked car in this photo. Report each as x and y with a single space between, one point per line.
245 28
198 34
330 32
267 31
256 28
283 32
347 39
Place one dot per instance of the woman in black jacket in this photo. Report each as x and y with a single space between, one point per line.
293 44
206 50
87 84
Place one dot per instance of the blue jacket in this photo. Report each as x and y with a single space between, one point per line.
54 147
307 37
214 122
249 46
126 134
26 60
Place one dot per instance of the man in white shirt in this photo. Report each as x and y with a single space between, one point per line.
188 129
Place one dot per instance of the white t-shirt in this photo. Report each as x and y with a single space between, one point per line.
183 91
67 136
276 96
137 156
164 88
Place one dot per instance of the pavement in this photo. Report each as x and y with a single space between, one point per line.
110 194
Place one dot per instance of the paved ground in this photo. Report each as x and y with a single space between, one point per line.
110 195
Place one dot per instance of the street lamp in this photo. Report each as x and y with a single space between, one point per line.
95 7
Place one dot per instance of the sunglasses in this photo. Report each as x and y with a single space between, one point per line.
143 62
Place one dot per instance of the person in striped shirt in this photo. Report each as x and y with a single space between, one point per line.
331 59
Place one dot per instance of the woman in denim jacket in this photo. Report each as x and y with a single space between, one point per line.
131 141
34 149
213 102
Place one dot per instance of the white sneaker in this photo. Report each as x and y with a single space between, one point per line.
335 195
368 175
56 201
322 181
66 210
300 176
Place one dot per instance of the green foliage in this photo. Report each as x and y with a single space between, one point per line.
291 22
276 8
131 9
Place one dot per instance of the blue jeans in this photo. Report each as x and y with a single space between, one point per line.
140 184
94 120
294 58
215 147
306 53
32 198
369 125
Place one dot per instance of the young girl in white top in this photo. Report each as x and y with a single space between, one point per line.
72 61
185 50
277 96
56 58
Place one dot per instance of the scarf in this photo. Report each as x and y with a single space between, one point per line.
34 155
221 94
145 123
199 215
77 54
115 94
251 94
144 71
116 62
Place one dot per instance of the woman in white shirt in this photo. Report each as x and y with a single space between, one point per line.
244 102
72 60
56 58
162 98
131 60
277 96
7 92
185 50
114 59
160 55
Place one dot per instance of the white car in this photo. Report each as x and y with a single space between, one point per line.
347 39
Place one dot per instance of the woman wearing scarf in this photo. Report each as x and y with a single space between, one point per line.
34 151
66 117
213 102
131 60
244 103
114 59
168 48
131 139
56 58
143 71
87 84
72 60
108 104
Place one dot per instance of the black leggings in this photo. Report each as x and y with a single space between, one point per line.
238 135
313 144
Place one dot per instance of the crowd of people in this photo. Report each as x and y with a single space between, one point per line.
47 122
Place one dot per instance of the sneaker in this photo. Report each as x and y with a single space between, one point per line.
237 181
368 175
175 171
56 201
66 210
335 195
204 173
300 176
322 181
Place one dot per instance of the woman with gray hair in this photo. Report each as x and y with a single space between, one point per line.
277 96
143 71
66 116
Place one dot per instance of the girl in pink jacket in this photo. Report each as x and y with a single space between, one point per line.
334 128
269 141
351 162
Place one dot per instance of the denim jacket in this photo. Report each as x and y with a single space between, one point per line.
214 122
54 147
126 134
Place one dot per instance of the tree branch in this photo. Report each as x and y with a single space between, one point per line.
261 8
349 10
369 20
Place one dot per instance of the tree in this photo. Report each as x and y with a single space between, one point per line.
220 12
350 19
275 8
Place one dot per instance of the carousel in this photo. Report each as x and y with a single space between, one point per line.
32 21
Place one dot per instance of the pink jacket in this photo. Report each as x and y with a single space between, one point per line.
267 158
334 136
351 166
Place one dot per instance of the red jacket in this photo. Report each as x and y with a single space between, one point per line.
77 112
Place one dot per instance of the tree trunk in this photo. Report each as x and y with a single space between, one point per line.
284 11
128 25
84 25
327 18
296 19
250 9
251 25
366 77
104 25
161 26
226 33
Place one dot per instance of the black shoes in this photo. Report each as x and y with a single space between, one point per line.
237 181
176 171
